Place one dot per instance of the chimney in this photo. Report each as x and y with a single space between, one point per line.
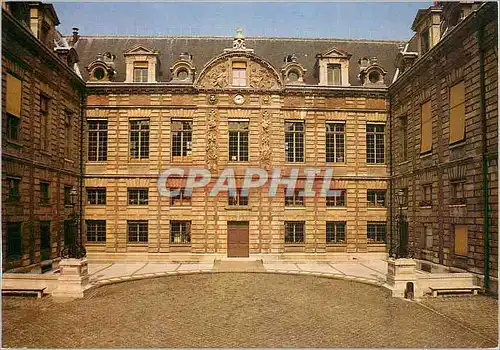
75 37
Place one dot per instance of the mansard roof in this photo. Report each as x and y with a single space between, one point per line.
271 49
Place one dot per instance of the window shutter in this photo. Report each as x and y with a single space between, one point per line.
457 112
461 241
426 128
14 88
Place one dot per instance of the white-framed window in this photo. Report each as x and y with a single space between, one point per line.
97 140
140 72
239 74
180 232
238 141
294 232
375 198
375 143
335 142
139 139
294 141
376 232
138 196
96 230
137 231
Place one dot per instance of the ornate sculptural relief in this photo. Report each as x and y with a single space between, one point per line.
212 148
217 77
261 78
265 143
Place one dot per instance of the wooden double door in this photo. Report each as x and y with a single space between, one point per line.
237 239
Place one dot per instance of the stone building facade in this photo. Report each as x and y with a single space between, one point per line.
265 103
444 137
41 136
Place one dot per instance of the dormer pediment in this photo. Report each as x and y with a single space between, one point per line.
139 50
334 53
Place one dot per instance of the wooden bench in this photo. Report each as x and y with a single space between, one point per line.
436 290
31 291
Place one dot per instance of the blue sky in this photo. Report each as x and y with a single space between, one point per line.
359 20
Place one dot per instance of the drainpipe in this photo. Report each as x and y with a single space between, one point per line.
82 104
391 189
486 223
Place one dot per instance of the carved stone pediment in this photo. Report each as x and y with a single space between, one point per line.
139 50
217 74
334 53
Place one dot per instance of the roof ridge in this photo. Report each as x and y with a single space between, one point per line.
160 36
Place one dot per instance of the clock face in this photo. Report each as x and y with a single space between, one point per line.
238 99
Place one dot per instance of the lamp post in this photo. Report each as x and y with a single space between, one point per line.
74 249
402 250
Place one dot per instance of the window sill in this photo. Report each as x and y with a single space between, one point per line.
44 205
378 244
457 144
295 207
186 245
238 207
138 161
295 245
376 164
47 153
138 206
328 244
136 244
68 206
181 207
336 207
457 205
69 161
425 155
15 143
341 164
376 208
426 207
96 205
95 243
96 162
405 162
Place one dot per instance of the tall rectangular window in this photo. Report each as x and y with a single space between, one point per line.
182 133
294 232
67 196
140 72
68 134
457 113
44 122
13 192
334 74
14 242
376 232
180 232
375 143
182 198
96 230
335 231
375 198
425 127
335 142
138 196
13 106
139 139
429 239
96 195
295 199
425 41
336 199
426 195
98 140
239 74
404 138
45 246
238 197
44 193
137 231
457 192
238 141
294 141
461 239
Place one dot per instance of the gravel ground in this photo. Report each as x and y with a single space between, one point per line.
245 310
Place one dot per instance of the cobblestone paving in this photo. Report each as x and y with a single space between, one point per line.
242 310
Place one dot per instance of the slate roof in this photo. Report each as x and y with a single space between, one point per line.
204 49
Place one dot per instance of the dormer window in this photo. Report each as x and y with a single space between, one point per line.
141 72
333 67
334 74
239 74
99 73
141 65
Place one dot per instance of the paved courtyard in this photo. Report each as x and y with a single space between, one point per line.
248 310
